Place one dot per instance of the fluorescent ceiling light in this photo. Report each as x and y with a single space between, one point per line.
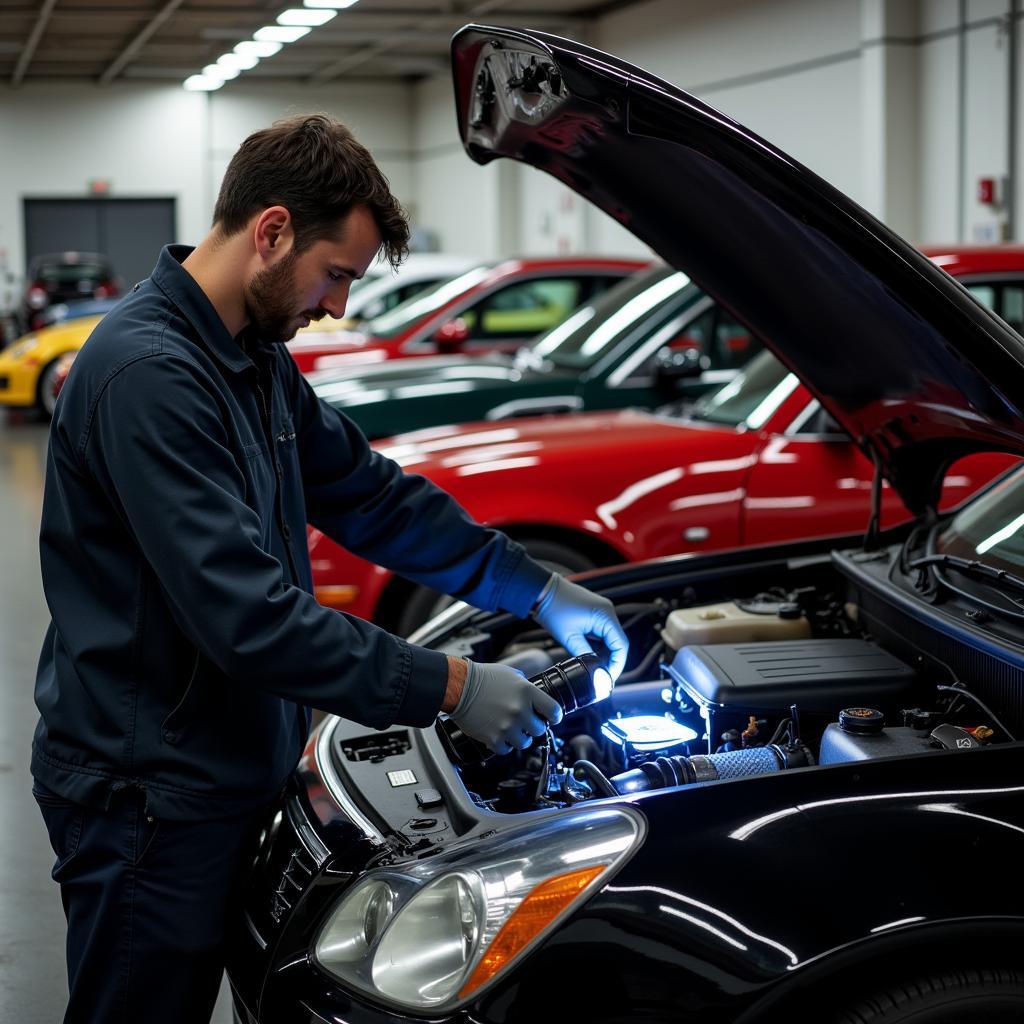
251 48
200 83
218 71
238 61
297 16
337 5
280 33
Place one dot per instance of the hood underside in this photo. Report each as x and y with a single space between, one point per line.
915 369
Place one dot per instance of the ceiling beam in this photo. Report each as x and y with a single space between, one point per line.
369 53
130 51
32 42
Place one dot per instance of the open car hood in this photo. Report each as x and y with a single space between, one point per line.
915 369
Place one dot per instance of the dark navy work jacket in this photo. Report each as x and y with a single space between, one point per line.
186 644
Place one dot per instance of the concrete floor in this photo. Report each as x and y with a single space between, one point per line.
33 980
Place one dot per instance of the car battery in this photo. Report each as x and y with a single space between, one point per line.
819 676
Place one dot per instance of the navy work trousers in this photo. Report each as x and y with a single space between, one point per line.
149 905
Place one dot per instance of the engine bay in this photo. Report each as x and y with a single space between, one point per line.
765 681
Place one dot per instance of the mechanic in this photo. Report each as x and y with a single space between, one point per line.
185 650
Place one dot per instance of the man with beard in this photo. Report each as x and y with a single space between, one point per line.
186 456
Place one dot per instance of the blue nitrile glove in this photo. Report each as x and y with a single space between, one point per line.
571 613
502 709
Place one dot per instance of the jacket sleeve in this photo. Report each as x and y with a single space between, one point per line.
369 505
157 445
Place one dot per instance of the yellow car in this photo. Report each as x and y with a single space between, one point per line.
28 366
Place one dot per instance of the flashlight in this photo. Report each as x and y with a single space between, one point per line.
575 683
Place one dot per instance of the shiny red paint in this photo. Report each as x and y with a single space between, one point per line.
638 484
313 350
966 260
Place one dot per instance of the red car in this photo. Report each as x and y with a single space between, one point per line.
755 462
495 307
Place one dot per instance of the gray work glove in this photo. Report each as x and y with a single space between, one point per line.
502 709
571 613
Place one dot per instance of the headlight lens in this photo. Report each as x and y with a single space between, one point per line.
432 935
356 925
423 958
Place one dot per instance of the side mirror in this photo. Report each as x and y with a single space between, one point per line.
672 366
451 336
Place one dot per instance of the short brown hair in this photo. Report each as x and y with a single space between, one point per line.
313 166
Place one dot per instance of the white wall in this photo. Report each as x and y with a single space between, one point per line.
159 140
867 93
55 138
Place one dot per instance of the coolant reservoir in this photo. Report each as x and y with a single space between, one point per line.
729 623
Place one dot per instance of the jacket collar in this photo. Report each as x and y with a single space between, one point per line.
183 290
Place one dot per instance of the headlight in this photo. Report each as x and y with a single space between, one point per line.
433 935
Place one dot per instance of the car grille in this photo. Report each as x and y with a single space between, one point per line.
286 865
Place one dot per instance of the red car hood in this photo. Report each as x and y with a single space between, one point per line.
604 435
916 370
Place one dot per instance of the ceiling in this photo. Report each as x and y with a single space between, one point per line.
103 41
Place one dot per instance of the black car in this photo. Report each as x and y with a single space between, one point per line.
64 277
804 799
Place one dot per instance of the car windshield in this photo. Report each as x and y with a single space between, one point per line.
991 528
404 316
66 273
751 397
645 300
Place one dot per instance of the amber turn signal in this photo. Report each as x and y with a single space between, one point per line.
341 596
532 916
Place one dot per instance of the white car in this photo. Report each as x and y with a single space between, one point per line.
383 288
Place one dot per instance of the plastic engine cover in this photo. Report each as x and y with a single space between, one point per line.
821 676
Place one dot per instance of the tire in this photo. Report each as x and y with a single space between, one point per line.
989 995
423 603
46 398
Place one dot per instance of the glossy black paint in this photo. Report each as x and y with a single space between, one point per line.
747 898
914 368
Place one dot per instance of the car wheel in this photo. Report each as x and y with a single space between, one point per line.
993 995
46 398
424 603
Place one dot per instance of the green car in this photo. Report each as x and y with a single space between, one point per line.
652 339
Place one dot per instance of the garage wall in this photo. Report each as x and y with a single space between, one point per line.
161 140
902 104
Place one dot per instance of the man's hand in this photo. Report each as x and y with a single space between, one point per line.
571 613
500 708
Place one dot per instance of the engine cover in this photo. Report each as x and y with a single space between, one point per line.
820 676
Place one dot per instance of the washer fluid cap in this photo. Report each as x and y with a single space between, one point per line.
865 721
790 610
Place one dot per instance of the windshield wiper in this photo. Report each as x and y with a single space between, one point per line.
970 567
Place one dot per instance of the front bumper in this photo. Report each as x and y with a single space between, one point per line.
18 382
294 882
